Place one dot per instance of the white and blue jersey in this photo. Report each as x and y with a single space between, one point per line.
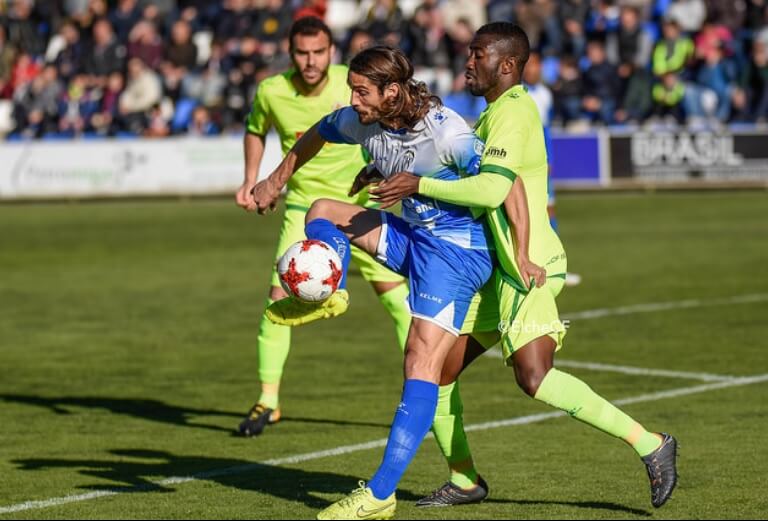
440 247
441 145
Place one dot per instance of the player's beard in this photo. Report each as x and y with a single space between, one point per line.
317 76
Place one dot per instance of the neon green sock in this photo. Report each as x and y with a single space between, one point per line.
573 396
274 344
394 301
448 428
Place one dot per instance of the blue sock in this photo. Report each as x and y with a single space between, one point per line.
412 422
324 230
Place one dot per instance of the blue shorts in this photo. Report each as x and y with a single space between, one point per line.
442 276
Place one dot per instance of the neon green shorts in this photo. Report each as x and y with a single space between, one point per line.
501 311
293 231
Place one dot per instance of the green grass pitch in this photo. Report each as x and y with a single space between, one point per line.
127 358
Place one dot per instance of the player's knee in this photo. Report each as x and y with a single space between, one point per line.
529 378
320 209
419 362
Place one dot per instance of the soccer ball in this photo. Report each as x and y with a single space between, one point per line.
310 270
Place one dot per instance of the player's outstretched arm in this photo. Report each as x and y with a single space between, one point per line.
253 147
266 192
516 208
485 190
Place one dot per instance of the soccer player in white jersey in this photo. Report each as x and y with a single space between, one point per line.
442 248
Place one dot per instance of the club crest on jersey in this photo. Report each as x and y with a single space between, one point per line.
404 162
439 116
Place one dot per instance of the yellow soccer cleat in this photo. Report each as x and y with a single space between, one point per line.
361 504
294 312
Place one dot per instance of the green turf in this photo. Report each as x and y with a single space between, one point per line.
127 356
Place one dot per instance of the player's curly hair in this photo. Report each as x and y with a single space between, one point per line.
386 65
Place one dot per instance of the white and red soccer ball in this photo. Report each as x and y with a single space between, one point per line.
310 270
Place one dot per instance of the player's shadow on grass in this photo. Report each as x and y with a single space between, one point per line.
153 410
129 474
597 505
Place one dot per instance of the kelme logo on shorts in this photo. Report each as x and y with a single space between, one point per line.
495 152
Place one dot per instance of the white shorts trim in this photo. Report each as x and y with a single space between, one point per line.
452 330
381 247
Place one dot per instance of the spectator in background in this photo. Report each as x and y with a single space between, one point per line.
359 39
7 57
77 105
36 104
22 31
532 16
630 44
180 58
568 90
106 120
146 44
429 49
125 15
757 82
234 22
573 16
142 92
272 22
604 19
24 71
157 124
668 96
201 123
601 85
236 99
719 75
106 56
70 59
674 52
384 21
688 14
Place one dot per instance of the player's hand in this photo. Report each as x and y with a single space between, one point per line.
365 177
390 191
532 274
244 197
265 195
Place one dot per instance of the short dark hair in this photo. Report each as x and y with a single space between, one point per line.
514 42
308 26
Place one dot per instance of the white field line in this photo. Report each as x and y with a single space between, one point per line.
662 306
347 449
639 371
650 308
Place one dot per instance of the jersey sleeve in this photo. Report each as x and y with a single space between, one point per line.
342 126
465 150
486 190
504 147
259 120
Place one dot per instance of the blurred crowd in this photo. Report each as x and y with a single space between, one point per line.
160 67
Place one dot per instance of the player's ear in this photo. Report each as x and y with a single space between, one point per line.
508 65
391 91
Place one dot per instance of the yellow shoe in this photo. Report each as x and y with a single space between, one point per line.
293 312
361 504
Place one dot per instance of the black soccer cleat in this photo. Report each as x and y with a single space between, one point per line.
450 494
661 465
257 420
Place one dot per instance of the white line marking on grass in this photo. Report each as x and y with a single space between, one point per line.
347 449
662 306
640 371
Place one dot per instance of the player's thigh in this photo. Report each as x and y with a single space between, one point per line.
482 320
443 280
372 270
361 225
427 346
291 231
526 317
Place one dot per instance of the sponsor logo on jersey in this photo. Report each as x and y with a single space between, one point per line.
495 152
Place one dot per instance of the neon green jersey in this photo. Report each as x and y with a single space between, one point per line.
514 146
277 103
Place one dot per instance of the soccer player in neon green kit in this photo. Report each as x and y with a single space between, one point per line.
531 332
291 103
